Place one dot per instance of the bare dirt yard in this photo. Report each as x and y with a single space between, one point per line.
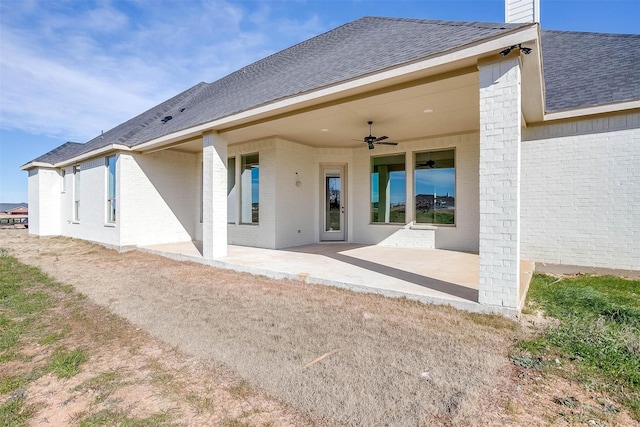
178 343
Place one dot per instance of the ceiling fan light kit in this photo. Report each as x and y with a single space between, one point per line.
370 140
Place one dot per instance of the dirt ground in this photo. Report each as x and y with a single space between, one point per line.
242 344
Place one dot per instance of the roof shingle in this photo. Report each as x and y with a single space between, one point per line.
575 76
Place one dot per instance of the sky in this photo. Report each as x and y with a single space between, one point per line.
70 69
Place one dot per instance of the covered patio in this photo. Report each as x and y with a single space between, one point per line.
427 275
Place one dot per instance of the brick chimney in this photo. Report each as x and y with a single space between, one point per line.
521 11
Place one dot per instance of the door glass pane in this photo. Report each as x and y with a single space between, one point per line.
332 203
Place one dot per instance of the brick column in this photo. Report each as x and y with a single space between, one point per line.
214 196
500 136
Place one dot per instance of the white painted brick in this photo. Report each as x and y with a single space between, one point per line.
499 183
581 192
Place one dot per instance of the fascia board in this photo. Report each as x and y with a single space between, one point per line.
81 157
93 153
32 165
590 111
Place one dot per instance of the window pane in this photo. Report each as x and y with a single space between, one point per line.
111 189
435 186
232 192
388 189
76 193
250 188
333 204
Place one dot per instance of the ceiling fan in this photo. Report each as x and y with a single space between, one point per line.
429 163
370 139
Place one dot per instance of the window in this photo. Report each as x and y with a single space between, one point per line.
63 174
388 189
76 193
232 204
111 188
250 189
201 192
435 187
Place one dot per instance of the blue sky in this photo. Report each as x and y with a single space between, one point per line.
72 68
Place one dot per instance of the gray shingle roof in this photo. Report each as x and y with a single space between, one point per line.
574 72
63 152
587 69
352 50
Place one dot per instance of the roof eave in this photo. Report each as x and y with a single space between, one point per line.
74 160
463 56
614 107
32 165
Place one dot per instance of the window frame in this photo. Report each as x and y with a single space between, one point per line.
111 197
63 174
455 187
371 172
76 192
242 189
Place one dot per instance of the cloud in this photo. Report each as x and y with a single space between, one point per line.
71 69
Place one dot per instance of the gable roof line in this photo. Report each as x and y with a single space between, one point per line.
466 51
77 158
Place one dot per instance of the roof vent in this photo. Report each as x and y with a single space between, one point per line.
166 119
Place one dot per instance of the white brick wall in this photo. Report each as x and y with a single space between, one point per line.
500 135
261 235
294 204
156 194
93 205
581 192
293 208
412 237
44 202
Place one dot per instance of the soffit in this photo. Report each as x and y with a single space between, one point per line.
397 112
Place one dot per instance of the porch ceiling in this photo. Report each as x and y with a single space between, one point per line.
433 106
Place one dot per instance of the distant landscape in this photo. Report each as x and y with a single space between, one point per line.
442 211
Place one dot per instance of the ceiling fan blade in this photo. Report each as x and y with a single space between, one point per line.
387 143
381 138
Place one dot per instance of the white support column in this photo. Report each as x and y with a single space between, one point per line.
500 137
214 197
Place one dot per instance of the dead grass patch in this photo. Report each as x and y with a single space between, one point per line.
399 362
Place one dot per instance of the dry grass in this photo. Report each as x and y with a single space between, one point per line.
398 362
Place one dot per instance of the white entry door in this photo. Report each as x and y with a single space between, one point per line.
333 204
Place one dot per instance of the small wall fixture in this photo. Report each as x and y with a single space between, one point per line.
508 50
298 182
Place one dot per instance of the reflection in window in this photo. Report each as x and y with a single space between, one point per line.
250 188
111 189
333 202
435 186
388 189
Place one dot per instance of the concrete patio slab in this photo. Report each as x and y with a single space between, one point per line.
428 275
